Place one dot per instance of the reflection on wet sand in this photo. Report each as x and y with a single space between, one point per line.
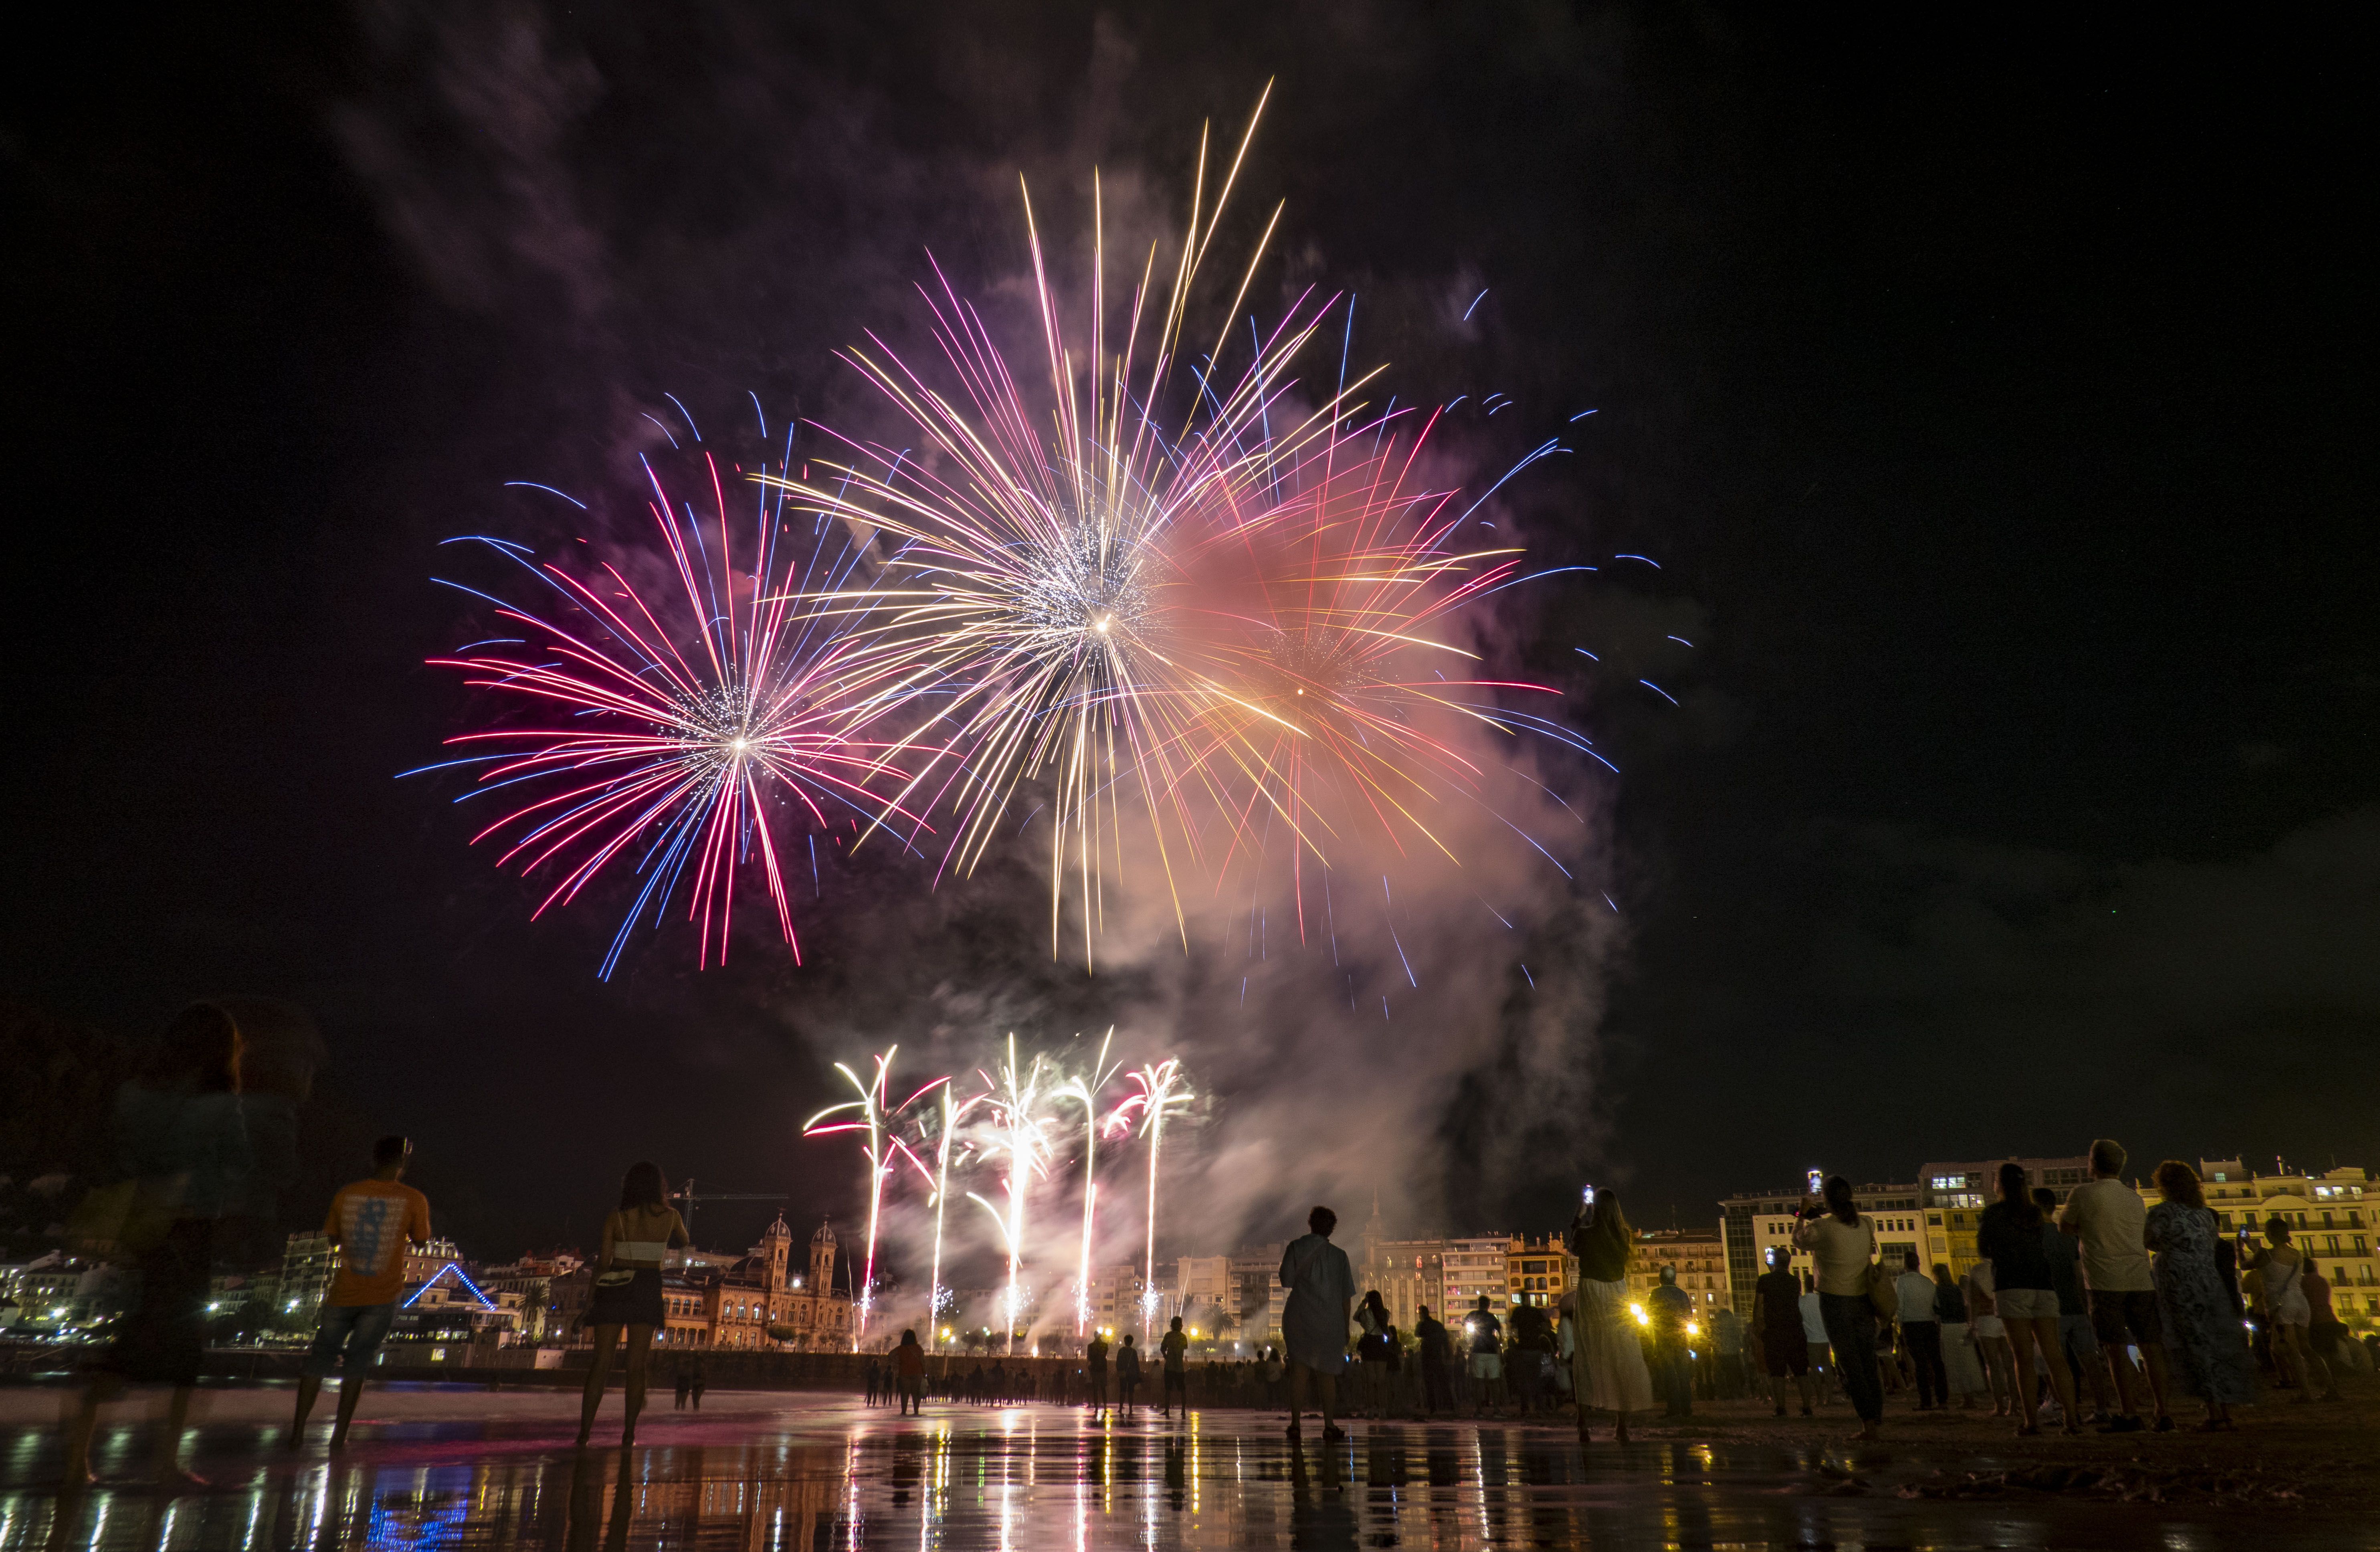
1018 1479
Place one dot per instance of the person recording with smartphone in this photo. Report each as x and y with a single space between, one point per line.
1607 1355
1842 1244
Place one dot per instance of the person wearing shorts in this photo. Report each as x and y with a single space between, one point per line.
1487 1355
2111 1220
1784 1349
370 1221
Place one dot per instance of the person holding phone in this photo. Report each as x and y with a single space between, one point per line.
1608 1359
1842 1243
2284 1267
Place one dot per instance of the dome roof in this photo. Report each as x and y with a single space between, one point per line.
825 1234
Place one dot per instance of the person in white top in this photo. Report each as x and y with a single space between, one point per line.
1921 1333
626 1293
2284 1267
2111 1219
1842 1243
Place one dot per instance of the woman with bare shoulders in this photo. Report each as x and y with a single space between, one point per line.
628 1291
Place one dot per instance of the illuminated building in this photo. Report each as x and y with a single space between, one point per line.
1472 1267
1954 1198
1754 1223
1536 1271
1255 1273
2330 1219
1409 1273
1699 1255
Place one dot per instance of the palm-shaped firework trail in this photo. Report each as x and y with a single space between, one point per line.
1083 1089
1020 1135
1164 1092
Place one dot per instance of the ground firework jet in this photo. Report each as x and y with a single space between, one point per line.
881 1149
1019 1136
1163 1093
1084 1090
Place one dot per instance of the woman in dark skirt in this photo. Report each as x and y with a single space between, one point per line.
628 1290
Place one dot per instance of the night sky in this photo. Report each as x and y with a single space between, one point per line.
1987 394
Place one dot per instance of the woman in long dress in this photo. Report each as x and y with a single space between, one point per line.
1314 1319
1606 1356
2201 1328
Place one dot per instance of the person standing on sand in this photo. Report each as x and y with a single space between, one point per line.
1314 1321
1607 1358
909 1374
1921 1334
1176 1347
2284 1267
2201 1323
1842 1245
1127 1374
1095 1372
371 1222
637 1238
2111 1221
1784 1346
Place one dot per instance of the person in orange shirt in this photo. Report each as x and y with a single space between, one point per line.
370 1221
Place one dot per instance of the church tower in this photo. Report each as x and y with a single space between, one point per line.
822 1261
777 1245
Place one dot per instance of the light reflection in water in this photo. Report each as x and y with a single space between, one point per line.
817 1475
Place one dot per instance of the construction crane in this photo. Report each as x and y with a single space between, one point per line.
688 1200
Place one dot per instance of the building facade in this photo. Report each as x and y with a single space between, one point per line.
1536 1271
2330 1219
1753 1224
1698 1255
1956 1195
1409 1274
1471 1266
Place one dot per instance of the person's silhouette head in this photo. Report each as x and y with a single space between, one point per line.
908 1337
1177 1323
1323 1221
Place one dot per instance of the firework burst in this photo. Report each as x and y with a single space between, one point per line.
1041 595
690 714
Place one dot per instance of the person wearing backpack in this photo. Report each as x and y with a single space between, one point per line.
1842 1245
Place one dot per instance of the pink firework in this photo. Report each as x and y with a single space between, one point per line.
668 732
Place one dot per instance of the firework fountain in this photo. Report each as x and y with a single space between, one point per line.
881 1150
1163 1092
953 1111
1083 1089
1020 1136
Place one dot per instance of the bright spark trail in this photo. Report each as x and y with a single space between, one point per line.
689 715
